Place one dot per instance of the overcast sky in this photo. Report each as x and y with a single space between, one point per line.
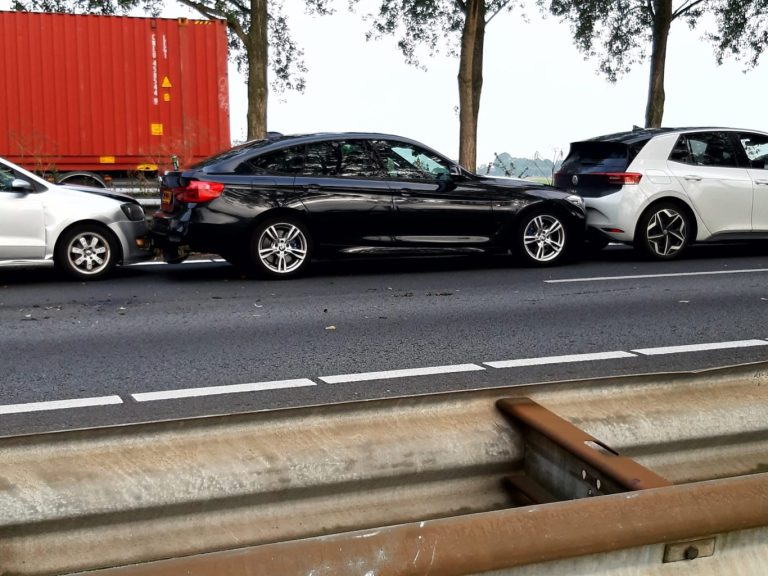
539 93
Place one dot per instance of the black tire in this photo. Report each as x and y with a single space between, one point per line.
281 247
542 238
663 231
86 252
594 243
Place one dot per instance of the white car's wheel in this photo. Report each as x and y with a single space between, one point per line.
86 252
663 232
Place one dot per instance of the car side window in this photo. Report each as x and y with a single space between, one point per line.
704 149
6 179
342 158
402 160
756 148
286 161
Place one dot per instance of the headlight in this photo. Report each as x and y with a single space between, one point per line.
133 211
577 200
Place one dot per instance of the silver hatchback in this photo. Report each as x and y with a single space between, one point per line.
83 231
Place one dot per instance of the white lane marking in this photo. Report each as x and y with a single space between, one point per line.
638 276
559 359
59 404
700 347
214 390
202 261
387 374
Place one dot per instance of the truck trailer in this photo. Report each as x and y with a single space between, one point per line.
111 100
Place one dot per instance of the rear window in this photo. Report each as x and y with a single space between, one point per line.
597 157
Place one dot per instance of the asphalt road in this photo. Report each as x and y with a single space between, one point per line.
157 341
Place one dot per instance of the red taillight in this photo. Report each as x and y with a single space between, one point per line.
620 177
197 191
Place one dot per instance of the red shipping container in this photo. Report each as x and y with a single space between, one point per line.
111 93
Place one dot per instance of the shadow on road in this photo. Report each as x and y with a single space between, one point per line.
391 266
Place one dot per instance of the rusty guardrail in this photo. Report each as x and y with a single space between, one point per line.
154 491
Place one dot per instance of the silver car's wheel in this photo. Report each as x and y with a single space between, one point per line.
664 232
282 248
86 252
542 238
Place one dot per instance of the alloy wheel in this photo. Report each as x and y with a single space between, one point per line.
544 238
282 248
666 232
89 253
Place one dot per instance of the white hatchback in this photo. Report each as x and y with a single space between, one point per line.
83 231
662 189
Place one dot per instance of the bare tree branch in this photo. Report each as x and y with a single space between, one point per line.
686 7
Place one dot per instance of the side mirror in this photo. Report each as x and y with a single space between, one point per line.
454 170
20 185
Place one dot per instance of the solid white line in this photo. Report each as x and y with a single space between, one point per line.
559 359
635 277
387 374
700 347
214 390
59 404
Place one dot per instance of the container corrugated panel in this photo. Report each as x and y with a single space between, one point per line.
85 92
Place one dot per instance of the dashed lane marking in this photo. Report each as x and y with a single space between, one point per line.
59 404
388 374
559 359
640 276
214 390
700 347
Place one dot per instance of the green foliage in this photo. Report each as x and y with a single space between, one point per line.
619 32
742 30
504 165
616 32
433 24
109 7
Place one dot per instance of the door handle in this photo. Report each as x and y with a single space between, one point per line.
692 177
405 192
311 188
762 182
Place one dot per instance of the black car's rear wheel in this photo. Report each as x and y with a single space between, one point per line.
542 238
281 248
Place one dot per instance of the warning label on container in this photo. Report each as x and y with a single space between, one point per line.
166 82
157 129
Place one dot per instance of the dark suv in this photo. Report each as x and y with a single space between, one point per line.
274 204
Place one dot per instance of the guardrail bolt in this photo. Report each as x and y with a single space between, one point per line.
691 553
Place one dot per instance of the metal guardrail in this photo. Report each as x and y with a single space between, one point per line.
172 489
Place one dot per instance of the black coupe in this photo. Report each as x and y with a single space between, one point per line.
274 204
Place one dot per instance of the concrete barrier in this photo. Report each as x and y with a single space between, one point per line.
83 500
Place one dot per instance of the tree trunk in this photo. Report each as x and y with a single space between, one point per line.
256 50
471 81
662 20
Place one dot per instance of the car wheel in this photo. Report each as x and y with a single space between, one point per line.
542 239
86 252
663 232
281 248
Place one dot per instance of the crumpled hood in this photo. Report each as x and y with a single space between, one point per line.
101 192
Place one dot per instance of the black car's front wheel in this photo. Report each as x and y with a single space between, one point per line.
542 238
281 248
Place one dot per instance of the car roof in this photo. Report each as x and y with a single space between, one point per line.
228 159
637 135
